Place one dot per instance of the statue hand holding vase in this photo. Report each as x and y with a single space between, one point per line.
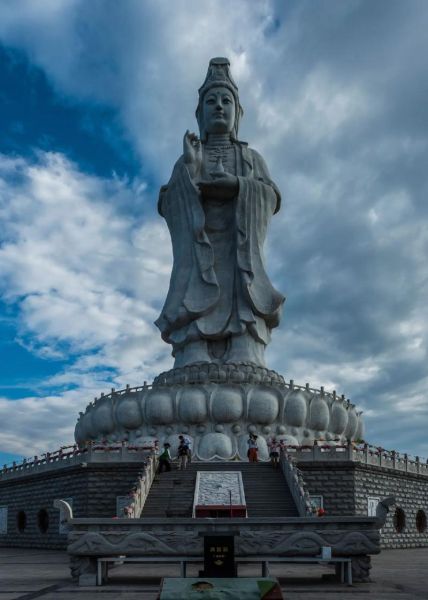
216 184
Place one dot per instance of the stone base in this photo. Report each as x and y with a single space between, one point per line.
300 538
344 484
219 373
218 414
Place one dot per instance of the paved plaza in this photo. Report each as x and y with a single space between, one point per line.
32 574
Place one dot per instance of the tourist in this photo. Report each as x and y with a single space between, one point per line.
252 448
188 441
183 453
165 459
275 447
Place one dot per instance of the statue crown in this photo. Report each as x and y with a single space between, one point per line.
218 74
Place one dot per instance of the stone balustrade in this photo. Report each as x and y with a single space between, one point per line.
363 453
320 451
138 494
72 455
296 486
291 385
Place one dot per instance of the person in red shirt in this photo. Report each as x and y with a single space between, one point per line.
253 448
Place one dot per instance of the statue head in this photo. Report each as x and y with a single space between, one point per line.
218 89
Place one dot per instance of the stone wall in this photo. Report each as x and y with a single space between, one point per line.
411 493
344 485
347 487
334 482
93 488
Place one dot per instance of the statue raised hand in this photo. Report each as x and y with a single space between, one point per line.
192 154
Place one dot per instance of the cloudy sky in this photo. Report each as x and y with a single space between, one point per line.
95 98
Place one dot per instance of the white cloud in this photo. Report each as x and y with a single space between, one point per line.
75 265
36 425
87 281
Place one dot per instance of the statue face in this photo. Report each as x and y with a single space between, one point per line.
218 110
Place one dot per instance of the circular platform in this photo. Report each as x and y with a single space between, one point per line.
219 414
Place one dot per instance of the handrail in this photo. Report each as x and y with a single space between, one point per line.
296 485
139 492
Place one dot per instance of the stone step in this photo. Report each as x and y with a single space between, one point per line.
265 488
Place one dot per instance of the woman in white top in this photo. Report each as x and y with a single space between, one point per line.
275 447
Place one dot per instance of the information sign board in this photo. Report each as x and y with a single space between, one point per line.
121 503
372 502
219 556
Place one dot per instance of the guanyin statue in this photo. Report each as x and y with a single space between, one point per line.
221 305
220 310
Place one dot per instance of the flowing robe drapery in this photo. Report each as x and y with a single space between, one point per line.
213 296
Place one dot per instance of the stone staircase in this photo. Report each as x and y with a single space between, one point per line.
266 490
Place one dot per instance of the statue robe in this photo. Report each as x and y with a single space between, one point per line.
220 288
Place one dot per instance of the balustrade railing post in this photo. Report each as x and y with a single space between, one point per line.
417 462
406 462
394 459
349 451
366 454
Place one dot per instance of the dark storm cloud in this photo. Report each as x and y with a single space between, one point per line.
356 242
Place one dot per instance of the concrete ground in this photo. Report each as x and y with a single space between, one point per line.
32 574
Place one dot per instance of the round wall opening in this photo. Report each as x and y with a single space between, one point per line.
421 521
399 520
43 520
21 521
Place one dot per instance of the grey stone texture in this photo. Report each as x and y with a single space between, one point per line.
354 537
93 488
219 487
411 493
346 486
334 482
221 305
218 412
